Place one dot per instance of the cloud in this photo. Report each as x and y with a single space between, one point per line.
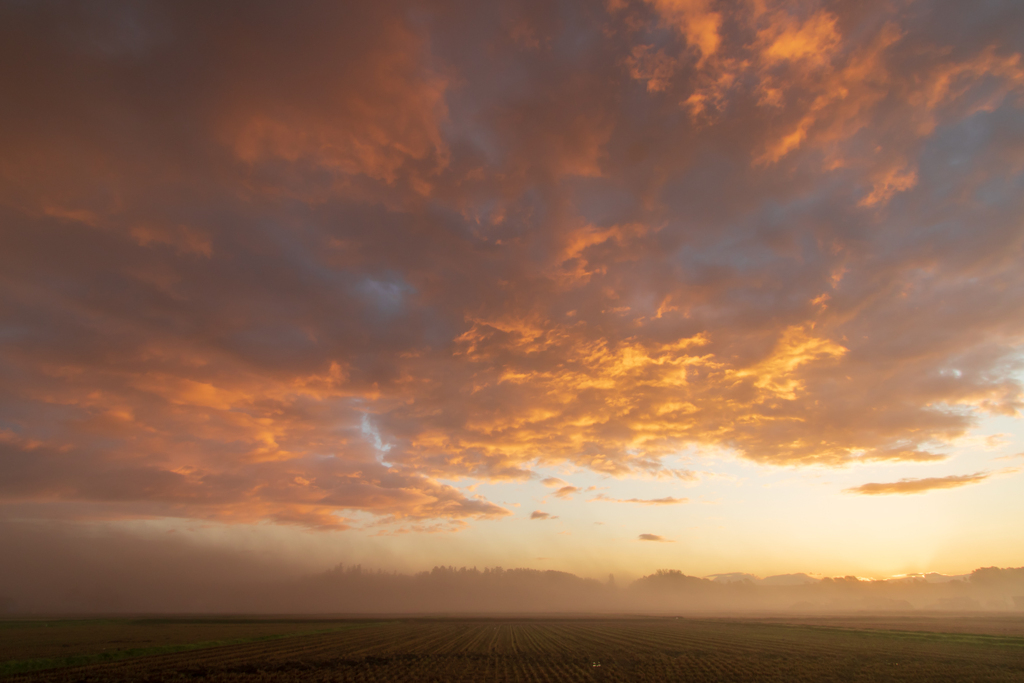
305 491
538 514
667 500
695 20
655 538
566 492
905 486
1014 456
326 261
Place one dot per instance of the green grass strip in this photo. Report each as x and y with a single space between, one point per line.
12 667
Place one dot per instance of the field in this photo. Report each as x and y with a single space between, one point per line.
596 649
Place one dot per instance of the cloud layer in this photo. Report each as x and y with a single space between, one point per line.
291 264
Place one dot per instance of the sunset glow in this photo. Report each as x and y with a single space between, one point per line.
600 287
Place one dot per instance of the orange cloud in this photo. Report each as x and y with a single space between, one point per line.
652 66
788 40
655 538
695 20
380 111
668 500
820 83
905 486
329 261
182 237
775 374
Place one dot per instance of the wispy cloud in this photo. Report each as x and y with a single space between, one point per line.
907 486
1015 456
654 537
566 492
540 514
667 500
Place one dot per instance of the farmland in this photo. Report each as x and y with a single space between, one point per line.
495 649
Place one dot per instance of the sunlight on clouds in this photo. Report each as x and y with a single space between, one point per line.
695 20
909 486
611 408
796 347
323 282
824 87
786 40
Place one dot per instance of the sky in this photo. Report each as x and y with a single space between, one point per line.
600 287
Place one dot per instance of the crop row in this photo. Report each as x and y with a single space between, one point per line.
578 650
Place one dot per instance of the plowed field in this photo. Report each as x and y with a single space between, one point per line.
575 650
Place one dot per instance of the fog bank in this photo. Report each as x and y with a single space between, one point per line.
47 573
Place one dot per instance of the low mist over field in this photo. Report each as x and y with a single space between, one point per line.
117 575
